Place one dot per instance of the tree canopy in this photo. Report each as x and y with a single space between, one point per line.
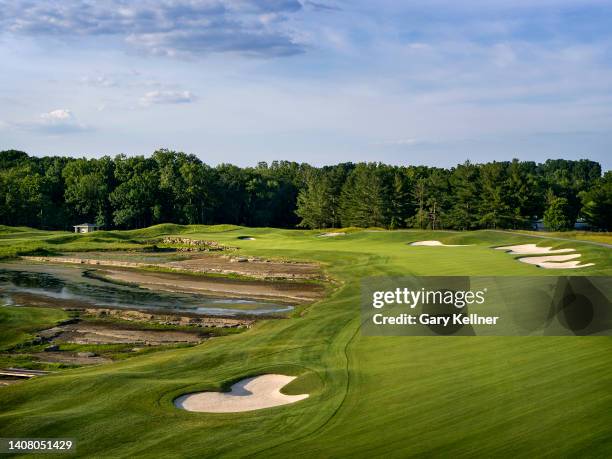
56 192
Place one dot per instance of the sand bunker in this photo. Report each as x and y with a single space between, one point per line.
556 261
331 234
247 395
435 244
246 238
531 249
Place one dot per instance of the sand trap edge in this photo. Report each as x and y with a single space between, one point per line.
331 234
249 394
531 249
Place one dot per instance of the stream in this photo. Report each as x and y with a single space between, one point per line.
69 286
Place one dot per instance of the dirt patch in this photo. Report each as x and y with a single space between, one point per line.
194 320
84 333
70 358
279 291
249 267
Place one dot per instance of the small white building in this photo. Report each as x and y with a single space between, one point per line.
86 228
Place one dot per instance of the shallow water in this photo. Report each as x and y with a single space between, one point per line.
72 284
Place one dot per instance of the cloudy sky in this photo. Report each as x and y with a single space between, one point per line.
406 82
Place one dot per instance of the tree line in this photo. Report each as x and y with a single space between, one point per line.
55 192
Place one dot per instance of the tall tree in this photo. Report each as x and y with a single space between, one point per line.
87 184
315 202
464 185
399 201
597 203
557 216
134 198
21 197
494 208
362 201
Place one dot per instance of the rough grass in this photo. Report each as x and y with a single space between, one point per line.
603 237
18 324
372 396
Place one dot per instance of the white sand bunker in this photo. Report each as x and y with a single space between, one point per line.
331 234
247 395
531 249
556 261
246 238
436 244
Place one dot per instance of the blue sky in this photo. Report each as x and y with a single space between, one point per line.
433 82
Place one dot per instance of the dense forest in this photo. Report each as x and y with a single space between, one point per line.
135 191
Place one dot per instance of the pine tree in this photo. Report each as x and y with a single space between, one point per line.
419 193
464 186
362 202
494 210
315 202
399 201
597 203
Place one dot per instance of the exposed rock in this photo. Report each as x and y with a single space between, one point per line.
86 354
193 245
166 319
50 333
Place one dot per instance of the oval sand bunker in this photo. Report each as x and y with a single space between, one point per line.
331 234
435 244
246 395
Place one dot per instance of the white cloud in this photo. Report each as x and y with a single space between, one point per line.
166 97
55 122
61 115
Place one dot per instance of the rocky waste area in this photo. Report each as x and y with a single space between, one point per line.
169 319
193 245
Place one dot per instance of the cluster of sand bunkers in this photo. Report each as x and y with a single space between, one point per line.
250 394
548 258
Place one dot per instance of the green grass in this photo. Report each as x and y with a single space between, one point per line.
603 237
119 351
370 396
18 324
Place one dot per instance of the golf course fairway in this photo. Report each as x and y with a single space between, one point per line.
368 396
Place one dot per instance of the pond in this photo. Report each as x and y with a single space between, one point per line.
70 286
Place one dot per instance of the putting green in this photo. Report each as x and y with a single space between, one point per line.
369 396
